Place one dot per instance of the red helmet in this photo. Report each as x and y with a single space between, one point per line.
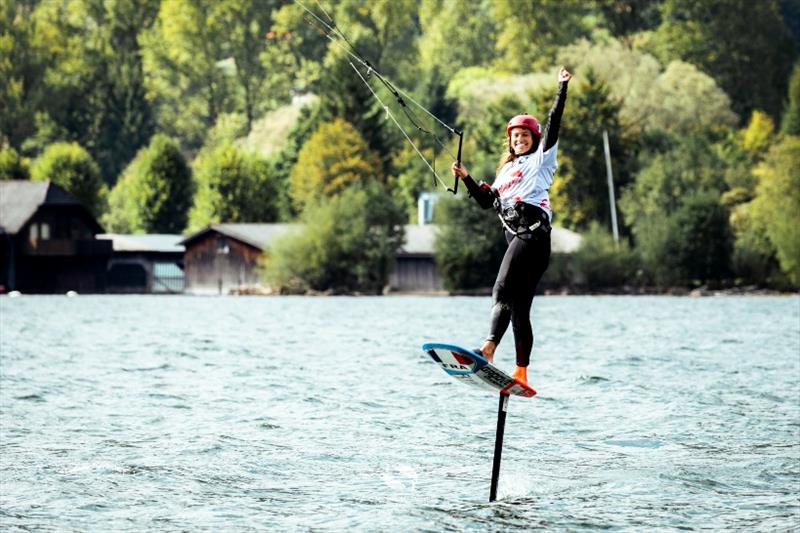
524 121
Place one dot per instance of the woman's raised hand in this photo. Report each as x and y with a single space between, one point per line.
564 75
459 170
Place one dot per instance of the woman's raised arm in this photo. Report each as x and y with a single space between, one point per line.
554 117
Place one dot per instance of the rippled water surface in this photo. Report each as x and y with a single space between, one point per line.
322 414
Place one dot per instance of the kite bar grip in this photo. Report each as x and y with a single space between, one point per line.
454 190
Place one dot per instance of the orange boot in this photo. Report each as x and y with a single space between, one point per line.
521 374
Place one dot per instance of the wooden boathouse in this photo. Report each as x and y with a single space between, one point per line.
221 258
145 264
224 257
47 241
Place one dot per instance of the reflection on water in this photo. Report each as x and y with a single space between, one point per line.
132 413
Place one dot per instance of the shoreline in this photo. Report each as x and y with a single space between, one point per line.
699 292
548 291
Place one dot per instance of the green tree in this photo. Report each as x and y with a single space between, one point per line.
602 263
333 158
744 45
753 259
678 99
189 72
307 45
344 95
91 88
348 243
583 190
469 245
284 161
154 193
790 123
690 168
23 62
777 203
530 33
70 166
473 88
12 166
698 249
232 186
122 214
262 62
385 32
740 151
625 18
124 119
454 34
753 256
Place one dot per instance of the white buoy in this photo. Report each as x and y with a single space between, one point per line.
14 294
71 294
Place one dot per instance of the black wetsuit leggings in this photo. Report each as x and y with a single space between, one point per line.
524 262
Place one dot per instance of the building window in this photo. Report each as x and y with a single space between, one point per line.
222 245
38 231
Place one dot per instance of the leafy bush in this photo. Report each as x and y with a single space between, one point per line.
333 158
662 188
678 98
601 263
154 193
348 243
698 243
777 203
753 259
233 186
122 214
71 167
470 244
790 123
12 166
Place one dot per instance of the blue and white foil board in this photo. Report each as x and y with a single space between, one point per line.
471 368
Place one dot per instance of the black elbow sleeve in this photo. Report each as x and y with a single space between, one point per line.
482 192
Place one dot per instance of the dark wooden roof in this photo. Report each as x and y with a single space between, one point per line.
19 201
256 235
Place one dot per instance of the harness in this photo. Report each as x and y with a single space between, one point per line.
523 219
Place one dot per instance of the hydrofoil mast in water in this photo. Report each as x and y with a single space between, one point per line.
471 368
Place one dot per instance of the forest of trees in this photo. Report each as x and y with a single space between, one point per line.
167 115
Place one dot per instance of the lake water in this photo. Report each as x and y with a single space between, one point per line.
164 413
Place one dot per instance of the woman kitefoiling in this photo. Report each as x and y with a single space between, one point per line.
519 193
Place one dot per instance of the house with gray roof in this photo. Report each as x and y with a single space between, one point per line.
147 263
221 258
47 241
415 269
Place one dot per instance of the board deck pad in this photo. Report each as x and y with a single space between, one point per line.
471 368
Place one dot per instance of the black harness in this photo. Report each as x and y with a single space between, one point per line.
523 219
